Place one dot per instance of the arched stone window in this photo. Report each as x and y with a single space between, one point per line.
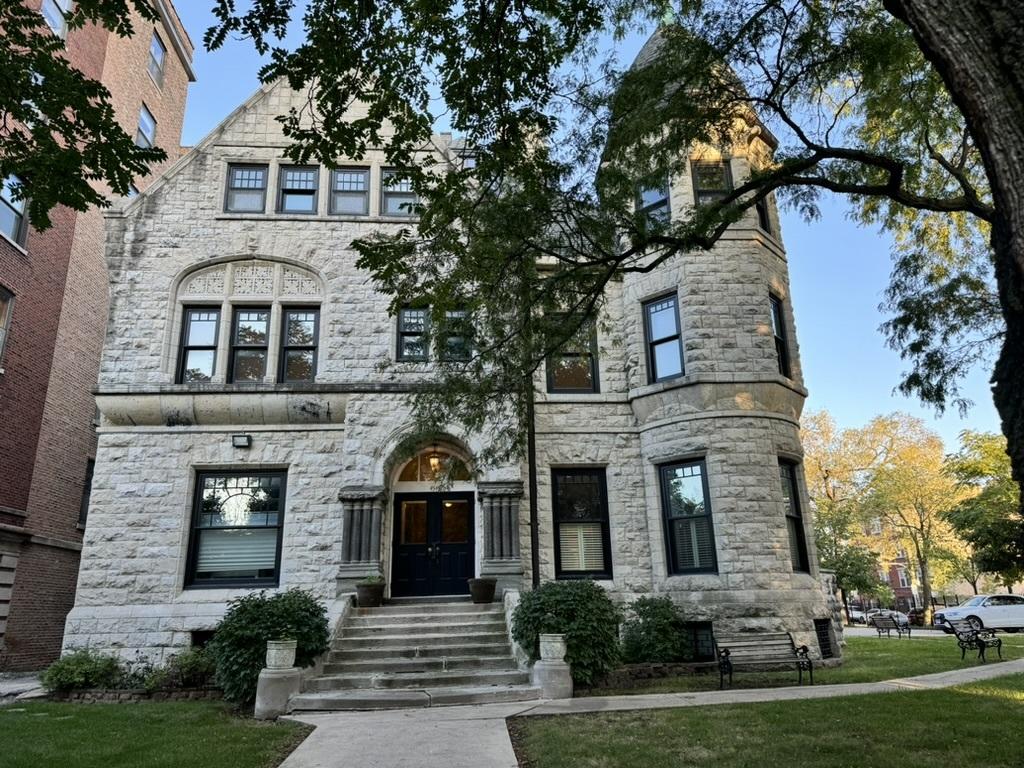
247 321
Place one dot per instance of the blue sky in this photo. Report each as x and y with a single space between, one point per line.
838 270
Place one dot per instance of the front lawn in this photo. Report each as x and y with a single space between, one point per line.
145 735
865 660
974 725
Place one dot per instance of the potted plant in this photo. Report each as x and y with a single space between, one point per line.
482 590
370 591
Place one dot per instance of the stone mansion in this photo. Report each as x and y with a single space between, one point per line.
254 388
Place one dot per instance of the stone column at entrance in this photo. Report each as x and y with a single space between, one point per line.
362 510
499 509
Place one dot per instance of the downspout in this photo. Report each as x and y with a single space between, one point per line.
531 459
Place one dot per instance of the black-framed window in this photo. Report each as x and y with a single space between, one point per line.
397 197
653 203
764 219
250 342
300 333
236 529
200 329
573 368
794 517
55 13
582 537
455 342
711 181
779 332
247 189
350 191
664 340
6 313
12 212
297 189
689 531
413 326
157 55
145 136
702 639
83 506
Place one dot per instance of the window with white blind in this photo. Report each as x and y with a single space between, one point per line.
236 529
689 533
794 518
582 539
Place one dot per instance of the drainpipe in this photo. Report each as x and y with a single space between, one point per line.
531 460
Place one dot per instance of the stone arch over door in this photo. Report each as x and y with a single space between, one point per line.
367 529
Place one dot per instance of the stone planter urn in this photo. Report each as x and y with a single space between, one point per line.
281 654
552 647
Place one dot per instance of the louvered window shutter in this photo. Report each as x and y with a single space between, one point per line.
582 547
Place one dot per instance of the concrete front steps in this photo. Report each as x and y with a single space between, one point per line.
418 652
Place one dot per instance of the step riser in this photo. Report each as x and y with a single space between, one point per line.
434 620
496 664
385 654
434 609
436 641
415 630
354 700
418 681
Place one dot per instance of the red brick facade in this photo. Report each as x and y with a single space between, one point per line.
51 359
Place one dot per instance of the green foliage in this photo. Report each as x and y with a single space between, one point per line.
83 669
239 646
580 610
60 130
654 631
989 519
192 668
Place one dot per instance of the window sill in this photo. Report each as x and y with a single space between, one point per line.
233 585
319 217
16 244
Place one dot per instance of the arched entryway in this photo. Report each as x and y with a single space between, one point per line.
433 541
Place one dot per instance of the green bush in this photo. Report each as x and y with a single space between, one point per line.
192 668
81 670
580 610
239 646
654 632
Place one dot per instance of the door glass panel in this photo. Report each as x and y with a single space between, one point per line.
454 522
414 522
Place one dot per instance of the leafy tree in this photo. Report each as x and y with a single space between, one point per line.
58 131
989 519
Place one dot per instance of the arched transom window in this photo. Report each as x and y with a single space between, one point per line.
434 464
248 321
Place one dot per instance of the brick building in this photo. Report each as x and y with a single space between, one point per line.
253 397
53 309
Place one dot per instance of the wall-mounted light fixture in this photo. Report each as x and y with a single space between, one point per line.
241 441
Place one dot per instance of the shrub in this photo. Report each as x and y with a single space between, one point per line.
239 646
192 668
581 611
654 632
83 669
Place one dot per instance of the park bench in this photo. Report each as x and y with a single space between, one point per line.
760 649
888 625
971 639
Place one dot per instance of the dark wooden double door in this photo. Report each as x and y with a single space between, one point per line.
433 544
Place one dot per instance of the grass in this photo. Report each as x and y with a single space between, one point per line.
974 725
144 735
865 660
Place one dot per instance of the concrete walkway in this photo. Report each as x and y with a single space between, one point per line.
476 736
19 685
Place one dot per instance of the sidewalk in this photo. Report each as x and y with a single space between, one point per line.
476 736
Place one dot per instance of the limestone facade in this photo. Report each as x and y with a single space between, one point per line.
337 438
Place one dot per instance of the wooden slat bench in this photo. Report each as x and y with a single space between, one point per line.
888 625
971 639
760 649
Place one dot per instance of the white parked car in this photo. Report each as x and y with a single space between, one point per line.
985 612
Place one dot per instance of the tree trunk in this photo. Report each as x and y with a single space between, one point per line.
926 591
975 46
